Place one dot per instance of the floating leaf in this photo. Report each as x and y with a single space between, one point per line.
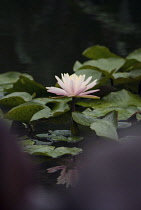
57 106
106 65
130 64
52 151
82 118
124 125
12 77
42 114
136 74
26 143
105 129
121 99
25 84
24 112
112 117
135 55
42 135
60 135
71 139
76 66
15 99
97 52
125 102
61 132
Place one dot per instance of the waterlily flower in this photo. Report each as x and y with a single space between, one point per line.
74 86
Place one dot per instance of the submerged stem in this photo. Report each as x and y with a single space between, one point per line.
73 125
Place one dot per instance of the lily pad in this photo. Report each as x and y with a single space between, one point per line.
105 128
135 55
12 77
83 119
26 143
42 114
130 64
121 99
25 84
112 117
125 102
107 65
24 112
60 135
57 106
52 151
96 52
61 132
76 66
15 99
124 125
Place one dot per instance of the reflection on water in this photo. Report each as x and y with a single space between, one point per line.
46 37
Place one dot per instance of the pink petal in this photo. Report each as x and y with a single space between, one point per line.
80 91
92 84
88 92
88 80
57 91
62 85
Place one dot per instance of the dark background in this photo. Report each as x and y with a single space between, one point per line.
46 37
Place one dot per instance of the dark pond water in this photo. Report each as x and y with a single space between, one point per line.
46 37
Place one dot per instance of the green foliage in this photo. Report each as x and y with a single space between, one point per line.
60 135
28 101
8 79
124 102
24 112
51 151
15 99
24 84
96 52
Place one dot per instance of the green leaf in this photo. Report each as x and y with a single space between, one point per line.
136 74
104 79
76 66
12 77
121 99
121 78
57 106
124 125
24 112
135 55
42 114
83 119
130 64
105 129
25 84
60 132
112 117
97 52
52 151
60 135
125 102
106 65
15 99
26 143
